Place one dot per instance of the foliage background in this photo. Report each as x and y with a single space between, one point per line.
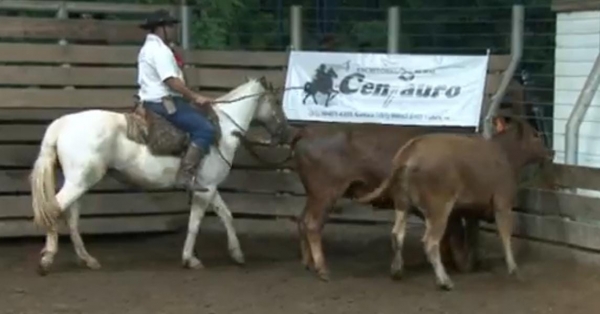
427 26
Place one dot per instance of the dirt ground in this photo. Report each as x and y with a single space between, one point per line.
142 274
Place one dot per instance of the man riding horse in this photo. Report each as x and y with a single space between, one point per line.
163 91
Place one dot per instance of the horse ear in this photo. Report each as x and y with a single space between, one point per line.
263 81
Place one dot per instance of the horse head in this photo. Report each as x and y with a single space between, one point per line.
331 73
269 113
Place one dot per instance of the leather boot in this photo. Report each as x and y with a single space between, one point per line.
186 174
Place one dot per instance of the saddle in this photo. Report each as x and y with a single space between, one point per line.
160 136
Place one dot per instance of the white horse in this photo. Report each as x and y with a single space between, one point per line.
89 143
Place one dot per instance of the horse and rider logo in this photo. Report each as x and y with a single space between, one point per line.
321 83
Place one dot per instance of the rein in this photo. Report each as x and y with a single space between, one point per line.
274 91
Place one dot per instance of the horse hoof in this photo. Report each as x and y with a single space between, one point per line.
42 270
516 274
238 257
396 274
446 285
93 264
193 263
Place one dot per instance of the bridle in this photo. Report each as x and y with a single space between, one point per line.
241 132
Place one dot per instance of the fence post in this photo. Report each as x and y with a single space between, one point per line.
296 27
516 51
393 30
185 25
581 106
62 14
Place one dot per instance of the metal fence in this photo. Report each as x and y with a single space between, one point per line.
553 64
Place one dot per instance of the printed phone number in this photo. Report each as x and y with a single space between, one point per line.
378 115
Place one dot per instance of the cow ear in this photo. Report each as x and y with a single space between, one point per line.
499 124
514 124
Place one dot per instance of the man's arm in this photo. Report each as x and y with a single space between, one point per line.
168 74
177 85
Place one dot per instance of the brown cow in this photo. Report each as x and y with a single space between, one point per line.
347 160
435 173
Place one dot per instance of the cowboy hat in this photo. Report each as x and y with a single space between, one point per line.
158 18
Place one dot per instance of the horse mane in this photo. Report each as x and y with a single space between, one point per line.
237 90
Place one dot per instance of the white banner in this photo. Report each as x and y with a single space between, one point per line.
402 89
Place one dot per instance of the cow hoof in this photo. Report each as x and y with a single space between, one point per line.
323 275
308 266
193 263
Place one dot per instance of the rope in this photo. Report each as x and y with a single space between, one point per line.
274 91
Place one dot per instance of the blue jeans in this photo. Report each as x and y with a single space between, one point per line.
187 119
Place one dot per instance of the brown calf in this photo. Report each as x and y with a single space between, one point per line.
437 173
334 161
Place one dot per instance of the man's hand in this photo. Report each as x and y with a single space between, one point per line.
202 100
177 85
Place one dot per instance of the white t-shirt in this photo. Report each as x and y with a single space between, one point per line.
156 63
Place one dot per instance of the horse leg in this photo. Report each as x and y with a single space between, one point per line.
200 202
225 214
73 222
327 100
67 195
333 94
305 98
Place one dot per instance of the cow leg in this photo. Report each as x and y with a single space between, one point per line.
307 260
398 233
459 246
435 224
504 223
313 220
472 246
452 244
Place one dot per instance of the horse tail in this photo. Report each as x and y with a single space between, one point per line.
46 209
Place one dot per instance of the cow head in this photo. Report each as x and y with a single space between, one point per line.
522 141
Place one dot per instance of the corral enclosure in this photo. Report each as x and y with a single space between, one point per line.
52 65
